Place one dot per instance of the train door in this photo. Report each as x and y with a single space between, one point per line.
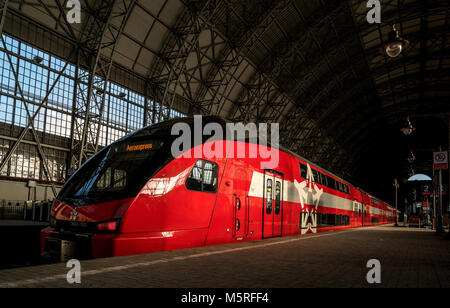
241 204
273 204
357 207
366 215
362 210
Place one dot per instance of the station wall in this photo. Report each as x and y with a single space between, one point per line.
18 191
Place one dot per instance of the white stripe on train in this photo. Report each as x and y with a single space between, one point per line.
290 194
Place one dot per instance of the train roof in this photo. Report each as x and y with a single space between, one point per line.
217 119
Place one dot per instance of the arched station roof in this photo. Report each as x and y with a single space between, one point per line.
315 67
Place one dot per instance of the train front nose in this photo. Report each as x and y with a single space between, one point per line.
82 232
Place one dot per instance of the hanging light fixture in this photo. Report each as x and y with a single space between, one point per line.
409 129
395 44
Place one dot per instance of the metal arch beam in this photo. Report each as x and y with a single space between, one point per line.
327 90
334 98
58 20
185 42
347 139
413 76
360 141
335 121
390 99
328 118
301 131
105 65
99 35
257 109
283 62
372 122
411 105
277 60
383 68
317 97
323 57
399 113
257 95
237 54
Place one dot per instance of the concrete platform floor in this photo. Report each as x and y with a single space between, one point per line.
409 258
22 223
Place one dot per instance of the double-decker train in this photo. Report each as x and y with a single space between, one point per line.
134 197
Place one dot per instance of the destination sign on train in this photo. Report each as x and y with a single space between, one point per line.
139 147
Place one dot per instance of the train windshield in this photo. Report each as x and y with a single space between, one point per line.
118 172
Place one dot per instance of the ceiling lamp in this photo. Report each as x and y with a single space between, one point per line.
409 129
395 44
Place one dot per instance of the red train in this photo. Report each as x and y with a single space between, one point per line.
133 197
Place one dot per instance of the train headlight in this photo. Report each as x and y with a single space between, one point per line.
109 226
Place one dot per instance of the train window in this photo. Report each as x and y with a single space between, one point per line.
324 180
319 178
278 198
315 176
113 174
210 174
330 182
333 183
269 197
194 180
112 180
203 177
328 220
303 171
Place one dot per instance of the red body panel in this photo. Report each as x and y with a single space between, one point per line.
165 215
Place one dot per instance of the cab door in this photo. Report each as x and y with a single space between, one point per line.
273 205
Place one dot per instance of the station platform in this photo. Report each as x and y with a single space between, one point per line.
22 224
408 257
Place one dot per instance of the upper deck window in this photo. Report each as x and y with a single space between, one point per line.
303 171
